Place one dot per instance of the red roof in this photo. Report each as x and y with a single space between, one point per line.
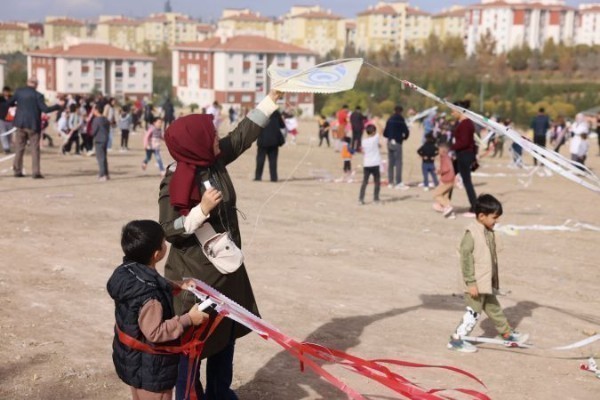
245 44
415 11
65 22
593 9
383 10
10 26
36 29
247 17
121 22
455 13
91 50
205 28
317 15
523 6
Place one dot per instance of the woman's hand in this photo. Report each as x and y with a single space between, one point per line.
210 199
275 95
197 316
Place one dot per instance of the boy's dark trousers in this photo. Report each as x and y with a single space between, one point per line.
464 159
124 138
101 156
263 152
367 172
73 139
219 374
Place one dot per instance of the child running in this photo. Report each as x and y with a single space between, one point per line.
479 264
441 195
371 163
144 313
152 139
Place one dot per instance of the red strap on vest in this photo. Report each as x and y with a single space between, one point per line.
192 345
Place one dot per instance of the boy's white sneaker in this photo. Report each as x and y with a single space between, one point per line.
401 186
461 346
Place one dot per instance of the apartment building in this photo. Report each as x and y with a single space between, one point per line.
204 31
167 29
13 37
314 28
233 71
121 32
588 25
418 28
381 26
243 21
513 24
36 36
449 23
58 29
82 68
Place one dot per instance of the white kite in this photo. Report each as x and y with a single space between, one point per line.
329 77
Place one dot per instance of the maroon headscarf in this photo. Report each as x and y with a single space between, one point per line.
190 141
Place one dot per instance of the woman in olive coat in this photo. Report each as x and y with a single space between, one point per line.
201 156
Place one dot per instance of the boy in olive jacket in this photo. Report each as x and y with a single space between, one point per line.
479 264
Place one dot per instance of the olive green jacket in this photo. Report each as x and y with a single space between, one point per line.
186 259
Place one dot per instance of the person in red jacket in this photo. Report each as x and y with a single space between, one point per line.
465 152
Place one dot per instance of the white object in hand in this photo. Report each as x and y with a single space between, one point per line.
207 185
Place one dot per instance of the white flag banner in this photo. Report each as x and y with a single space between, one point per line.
329 77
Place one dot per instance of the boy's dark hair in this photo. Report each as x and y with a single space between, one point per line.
487 204
398 109
429 137
542 110
6 89
371 129
140 239
72 108
99 107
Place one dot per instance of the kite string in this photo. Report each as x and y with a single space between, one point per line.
279 189
554 161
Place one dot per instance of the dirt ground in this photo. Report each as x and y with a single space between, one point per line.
377 281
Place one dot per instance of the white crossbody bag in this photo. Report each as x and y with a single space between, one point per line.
219 249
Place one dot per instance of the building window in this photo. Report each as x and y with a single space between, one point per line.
231 98
230 83
246 98
245 84
119 74
230 70
197 56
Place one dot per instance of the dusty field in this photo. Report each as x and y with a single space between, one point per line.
377 281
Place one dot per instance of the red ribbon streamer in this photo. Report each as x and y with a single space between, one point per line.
372 369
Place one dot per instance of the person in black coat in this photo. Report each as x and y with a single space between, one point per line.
169 112
357 121
268 144
28 121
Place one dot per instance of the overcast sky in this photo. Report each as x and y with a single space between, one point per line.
36 10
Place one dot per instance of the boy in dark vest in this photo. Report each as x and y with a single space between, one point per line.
479 278
144 312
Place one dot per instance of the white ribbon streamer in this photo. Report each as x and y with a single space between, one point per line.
421 115
8 132
568 226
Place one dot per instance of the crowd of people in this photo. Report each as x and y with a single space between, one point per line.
451 148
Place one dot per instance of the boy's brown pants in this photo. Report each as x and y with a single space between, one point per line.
488 303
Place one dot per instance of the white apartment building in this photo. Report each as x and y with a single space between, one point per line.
588 25
418 27
81 68
513 24
381 26
449 23
233 71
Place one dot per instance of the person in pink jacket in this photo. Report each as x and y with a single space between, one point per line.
441 195
152 140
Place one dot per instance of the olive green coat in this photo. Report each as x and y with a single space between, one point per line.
186 259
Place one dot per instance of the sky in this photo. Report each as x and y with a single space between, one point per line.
207 10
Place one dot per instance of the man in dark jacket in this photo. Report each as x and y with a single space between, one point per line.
169 112
101 133
540 125
268 146
357 122
28 121
395 132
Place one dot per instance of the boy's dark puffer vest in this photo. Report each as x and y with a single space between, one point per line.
131 286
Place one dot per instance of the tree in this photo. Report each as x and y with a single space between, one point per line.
518 57
486 47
